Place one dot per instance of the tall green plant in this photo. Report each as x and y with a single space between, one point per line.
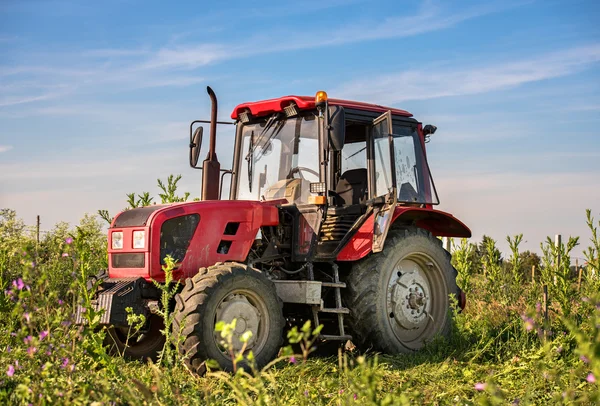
492 263
556 272
515 282
169 195
461 259
592 256
168 291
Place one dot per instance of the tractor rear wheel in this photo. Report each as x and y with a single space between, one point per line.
225 292
399 298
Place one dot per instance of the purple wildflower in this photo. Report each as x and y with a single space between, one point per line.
31 351
306 393
60 302
43 334
65 254
8 348
590 378
48 353
69 240
26 315
27 339
529 323
18 284
538 307
292 360
341 391
33 264
480 386
355 396
65 362
66 323
11 370
584 359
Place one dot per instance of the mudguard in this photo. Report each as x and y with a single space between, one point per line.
439 223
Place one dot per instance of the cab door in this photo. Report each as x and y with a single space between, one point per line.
384 182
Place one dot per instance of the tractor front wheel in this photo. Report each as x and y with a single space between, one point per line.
225 292
399 298
137 346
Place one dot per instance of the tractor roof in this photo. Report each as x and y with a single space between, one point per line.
265 107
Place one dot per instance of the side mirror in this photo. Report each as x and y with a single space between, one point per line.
429 129
195 145
337 127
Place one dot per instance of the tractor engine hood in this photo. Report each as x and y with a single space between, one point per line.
195 234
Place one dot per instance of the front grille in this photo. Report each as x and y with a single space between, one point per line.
125 260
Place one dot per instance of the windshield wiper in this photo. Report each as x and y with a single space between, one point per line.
356 153
250 161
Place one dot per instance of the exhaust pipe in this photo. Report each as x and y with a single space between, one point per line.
211 167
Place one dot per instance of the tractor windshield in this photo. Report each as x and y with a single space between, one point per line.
279 159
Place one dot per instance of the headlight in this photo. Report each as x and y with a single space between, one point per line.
139 239
117 240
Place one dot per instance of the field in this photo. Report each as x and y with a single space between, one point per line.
509 346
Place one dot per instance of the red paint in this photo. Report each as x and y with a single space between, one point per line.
439 223
202 251
266 107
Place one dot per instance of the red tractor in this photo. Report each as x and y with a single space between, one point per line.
330 218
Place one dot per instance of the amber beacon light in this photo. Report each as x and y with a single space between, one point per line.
320 97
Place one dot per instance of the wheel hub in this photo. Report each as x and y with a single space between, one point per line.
247 319
410 300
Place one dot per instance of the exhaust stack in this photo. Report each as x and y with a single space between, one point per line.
211 167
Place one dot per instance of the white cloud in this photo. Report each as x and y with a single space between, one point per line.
447 81
115 69
4 148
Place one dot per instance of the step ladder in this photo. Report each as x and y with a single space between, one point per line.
338 309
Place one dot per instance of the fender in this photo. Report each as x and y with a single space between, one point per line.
438 223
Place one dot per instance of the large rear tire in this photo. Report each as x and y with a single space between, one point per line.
399 298
225 292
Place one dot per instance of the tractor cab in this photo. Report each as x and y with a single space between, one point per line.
329 164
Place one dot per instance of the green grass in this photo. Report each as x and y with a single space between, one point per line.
501 351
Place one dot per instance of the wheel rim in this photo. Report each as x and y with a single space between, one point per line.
250 312
417 300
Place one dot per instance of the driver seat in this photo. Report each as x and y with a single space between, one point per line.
352 187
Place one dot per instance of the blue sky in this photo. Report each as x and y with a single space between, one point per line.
95 98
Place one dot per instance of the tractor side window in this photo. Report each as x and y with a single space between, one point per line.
413 178
406 165
354 156
383 166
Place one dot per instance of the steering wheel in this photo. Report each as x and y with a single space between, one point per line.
299 169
